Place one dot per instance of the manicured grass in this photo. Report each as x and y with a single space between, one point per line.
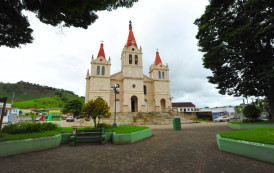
202 120
261 135
118 129
263 122
127 129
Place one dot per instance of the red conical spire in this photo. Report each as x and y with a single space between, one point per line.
157 59
101 51
131 39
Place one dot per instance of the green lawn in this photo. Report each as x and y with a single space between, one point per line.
261 135
119 129
263 122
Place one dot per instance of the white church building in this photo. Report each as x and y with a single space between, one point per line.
138 92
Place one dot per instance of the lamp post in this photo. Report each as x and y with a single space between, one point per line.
116 90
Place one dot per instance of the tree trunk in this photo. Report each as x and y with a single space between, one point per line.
271 107
94 121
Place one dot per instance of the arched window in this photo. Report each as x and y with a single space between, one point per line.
136 59
159 75
130 59
103 70
98 70
145 89
163 75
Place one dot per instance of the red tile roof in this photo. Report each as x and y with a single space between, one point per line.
183 104
131 38
157 59
101 51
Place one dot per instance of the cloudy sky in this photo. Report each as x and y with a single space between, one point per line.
60 57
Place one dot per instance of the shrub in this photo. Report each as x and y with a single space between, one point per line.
251 120
107 126
251 111
28 127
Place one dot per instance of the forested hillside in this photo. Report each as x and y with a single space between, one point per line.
34 95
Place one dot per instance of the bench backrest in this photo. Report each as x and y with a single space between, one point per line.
89 132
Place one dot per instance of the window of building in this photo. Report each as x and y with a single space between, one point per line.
130 59
98 70
103 70
159 75
136 59
181 110
163 75
145 89
133 86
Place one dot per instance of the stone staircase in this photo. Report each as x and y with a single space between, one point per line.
148 118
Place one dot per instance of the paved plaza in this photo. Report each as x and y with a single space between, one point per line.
193 149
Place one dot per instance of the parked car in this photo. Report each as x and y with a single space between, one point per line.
221 119
38 119
70 118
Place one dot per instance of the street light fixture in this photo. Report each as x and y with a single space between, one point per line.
116 90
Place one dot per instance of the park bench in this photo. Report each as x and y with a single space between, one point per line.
95 135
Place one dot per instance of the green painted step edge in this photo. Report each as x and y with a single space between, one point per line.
124 138
248 126
255 150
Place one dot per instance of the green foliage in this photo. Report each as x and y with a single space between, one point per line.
16 28
105 125
94 109
28 127
236 37
73 106
261 135
251 111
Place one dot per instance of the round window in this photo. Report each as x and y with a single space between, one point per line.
133 86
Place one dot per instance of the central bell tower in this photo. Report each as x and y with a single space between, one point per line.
132 70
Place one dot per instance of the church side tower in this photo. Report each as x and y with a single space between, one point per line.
98 83
161 83
132 70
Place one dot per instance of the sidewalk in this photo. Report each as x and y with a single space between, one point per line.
193 149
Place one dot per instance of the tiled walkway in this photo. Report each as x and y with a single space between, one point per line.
193 149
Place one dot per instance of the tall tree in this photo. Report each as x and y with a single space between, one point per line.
237 38
15 28
74 106
94 109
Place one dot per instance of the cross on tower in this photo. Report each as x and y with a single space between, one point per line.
130 23
157 49
102 41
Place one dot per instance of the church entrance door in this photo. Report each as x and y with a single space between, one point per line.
163 105
134 104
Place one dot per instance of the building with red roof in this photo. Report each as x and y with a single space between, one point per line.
183 106
138 92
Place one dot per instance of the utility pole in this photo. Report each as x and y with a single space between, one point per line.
4 100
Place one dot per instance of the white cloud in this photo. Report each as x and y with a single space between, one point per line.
60 58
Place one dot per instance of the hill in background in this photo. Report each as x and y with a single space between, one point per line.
35 95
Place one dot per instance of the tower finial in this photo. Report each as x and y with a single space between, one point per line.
130 25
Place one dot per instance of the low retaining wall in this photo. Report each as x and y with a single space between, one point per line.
255 150
27 145
13 147
249 126
124 138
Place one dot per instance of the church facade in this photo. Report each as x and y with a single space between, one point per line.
138 92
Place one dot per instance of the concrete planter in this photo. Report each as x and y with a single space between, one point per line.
255 150
13 147
249 126
124 138
27 145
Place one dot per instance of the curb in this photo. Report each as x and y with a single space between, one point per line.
124 138
255 150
